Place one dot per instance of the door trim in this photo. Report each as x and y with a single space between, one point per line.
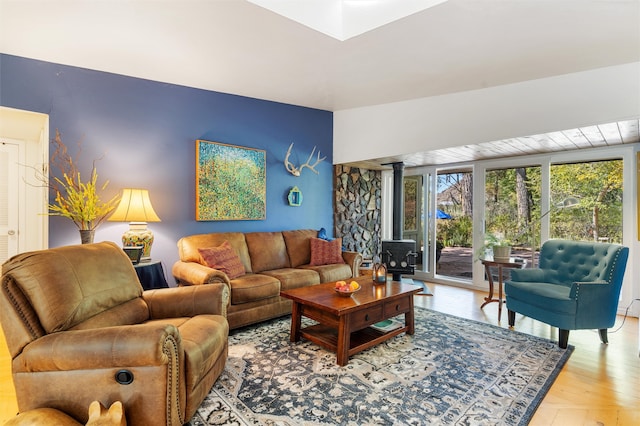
31 131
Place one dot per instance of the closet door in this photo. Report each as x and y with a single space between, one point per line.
9 200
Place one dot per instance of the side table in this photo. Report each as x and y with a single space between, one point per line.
488 264
151 275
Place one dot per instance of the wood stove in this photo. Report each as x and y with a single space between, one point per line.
400 257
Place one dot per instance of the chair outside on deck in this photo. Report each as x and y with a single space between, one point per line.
576 287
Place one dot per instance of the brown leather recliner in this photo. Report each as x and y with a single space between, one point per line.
80 328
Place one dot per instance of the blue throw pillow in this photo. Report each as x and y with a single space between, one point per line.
322 234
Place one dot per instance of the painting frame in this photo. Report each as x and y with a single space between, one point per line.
231 182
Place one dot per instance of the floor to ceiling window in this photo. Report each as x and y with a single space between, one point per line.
575 195
512 207
586 201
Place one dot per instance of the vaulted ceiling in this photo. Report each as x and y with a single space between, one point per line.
236 46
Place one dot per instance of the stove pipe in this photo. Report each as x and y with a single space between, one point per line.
398 177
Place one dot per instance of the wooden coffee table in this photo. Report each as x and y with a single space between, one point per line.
344 322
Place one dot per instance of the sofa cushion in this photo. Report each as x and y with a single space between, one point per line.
331 273
542 295
294 278
188 246
298 246
267 250
223 258
326 252
252 287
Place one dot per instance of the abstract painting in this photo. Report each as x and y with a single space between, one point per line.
231 182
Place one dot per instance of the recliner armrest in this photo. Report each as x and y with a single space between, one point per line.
191 273
210 299
109 347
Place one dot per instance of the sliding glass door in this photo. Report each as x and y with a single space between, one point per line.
454 224
438 216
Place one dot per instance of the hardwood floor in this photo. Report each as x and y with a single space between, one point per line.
8 404
599 385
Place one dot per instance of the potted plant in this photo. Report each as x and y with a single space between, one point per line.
76 199
495 246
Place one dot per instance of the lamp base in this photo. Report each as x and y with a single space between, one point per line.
138 235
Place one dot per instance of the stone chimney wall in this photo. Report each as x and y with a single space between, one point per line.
356 213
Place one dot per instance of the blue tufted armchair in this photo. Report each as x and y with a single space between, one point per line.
576 286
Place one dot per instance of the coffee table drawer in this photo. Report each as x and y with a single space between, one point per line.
366 317
397 307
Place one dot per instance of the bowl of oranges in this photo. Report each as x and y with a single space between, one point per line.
345 289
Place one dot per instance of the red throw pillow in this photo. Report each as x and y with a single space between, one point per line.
326 252
223 258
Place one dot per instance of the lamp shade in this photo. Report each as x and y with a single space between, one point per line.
135 206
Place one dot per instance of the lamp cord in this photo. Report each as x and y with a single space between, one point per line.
625 316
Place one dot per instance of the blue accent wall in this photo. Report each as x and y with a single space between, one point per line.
144 133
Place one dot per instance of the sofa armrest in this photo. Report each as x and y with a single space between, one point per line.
354 260
109 347
593 290
210 299
191 273
596 303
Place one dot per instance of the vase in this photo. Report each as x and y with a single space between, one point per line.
86 235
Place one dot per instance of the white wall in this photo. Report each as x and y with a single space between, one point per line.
538 106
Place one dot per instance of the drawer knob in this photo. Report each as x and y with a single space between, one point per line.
397 307
366 317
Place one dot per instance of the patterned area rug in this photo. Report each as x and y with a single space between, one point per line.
453 371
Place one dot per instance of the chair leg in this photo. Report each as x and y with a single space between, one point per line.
512 318
603 335
563 338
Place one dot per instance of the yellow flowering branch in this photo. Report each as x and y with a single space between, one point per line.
75 199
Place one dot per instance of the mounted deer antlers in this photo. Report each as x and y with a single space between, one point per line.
297 170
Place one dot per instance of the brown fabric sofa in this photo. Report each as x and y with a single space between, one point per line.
79 325
272 261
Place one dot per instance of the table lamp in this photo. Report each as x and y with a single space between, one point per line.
135 208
